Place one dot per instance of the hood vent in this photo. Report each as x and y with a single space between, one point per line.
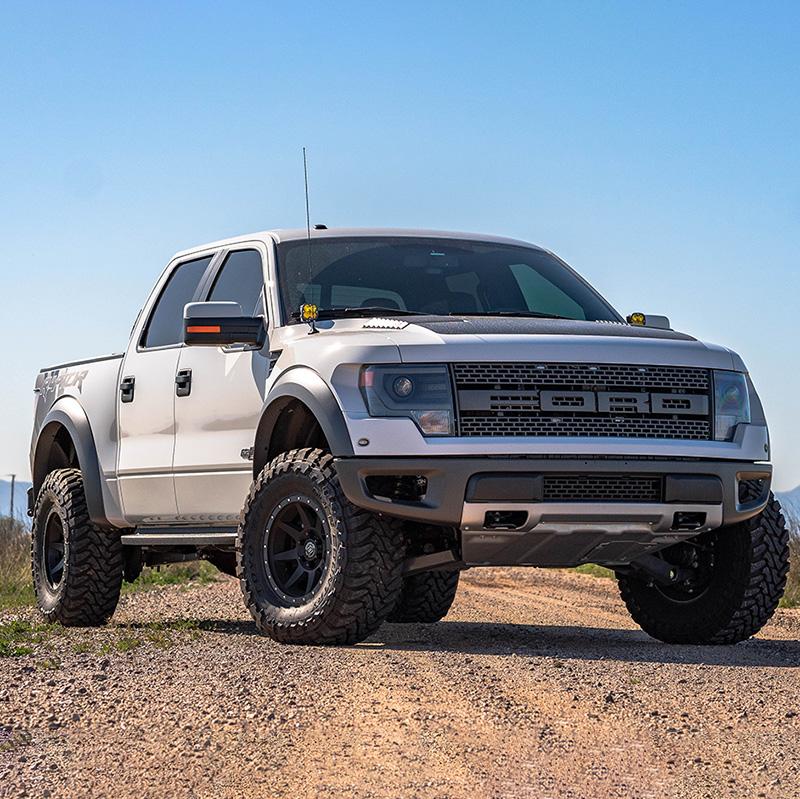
385 324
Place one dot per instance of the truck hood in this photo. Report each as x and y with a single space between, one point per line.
444 339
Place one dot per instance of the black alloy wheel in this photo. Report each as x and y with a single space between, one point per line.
53 550
313 567
296 549
696 560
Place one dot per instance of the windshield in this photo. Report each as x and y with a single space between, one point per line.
432 277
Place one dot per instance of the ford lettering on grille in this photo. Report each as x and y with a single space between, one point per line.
605 400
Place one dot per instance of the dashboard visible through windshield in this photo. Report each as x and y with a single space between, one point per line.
432 277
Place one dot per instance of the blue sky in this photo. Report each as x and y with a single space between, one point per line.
652 145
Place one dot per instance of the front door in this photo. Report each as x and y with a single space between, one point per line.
216 420
146 400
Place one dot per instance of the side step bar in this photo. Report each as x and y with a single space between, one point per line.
171 538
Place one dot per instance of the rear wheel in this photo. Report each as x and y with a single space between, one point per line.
77 567
426 597
314 568
734 579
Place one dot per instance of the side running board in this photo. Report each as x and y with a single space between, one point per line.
172 538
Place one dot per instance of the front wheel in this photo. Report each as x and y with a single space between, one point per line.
313 567
735 577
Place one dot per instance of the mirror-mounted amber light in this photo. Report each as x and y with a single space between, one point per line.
638 319
203 328
224 331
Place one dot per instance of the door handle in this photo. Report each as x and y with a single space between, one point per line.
126 388
183 383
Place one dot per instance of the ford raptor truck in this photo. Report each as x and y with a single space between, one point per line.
346 419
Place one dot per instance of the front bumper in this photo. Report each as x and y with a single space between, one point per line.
504 519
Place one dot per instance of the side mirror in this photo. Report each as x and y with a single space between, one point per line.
221 324
649 320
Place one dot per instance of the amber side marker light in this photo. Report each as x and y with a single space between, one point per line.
203 329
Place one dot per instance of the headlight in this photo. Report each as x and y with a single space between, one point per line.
731 404
419 392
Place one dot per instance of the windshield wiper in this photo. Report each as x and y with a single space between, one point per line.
530 314
370 310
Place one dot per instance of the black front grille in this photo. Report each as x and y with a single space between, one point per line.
690 429
583 400
625 377
602 488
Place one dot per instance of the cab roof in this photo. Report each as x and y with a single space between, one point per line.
293 234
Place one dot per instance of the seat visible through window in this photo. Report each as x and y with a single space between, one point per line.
380 302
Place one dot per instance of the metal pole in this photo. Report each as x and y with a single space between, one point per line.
13 478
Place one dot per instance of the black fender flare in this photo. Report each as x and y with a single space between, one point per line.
308 387
68 413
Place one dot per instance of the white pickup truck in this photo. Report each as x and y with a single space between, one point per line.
346 419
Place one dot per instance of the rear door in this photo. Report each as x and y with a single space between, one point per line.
146 398
216 422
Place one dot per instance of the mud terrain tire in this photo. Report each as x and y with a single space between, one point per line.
425 597
77 567
747 577
313 567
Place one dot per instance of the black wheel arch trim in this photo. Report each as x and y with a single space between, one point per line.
308 387
68 413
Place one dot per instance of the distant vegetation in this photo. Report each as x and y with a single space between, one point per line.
15 558
593 570
16 587
193 572
791 598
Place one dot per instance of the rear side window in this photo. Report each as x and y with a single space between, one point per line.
165 325
241 280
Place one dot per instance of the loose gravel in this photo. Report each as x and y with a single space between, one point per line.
536 685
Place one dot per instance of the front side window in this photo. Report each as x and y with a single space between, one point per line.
241 280
432 277
165 325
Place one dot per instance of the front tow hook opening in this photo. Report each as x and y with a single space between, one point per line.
504 519
688 520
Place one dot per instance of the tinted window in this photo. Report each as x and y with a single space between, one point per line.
359 296
241 280
166 321
539 292
433 276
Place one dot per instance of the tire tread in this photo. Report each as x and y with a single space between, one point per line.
426 597
371 578
749 604
94 557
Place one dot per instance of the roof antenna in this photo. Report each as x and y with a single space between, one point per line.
308 213
308 312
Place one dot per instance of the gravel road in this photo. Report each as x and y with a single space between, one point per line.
537 685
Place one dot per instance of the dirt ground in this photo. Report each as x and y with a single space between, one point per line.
536 685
